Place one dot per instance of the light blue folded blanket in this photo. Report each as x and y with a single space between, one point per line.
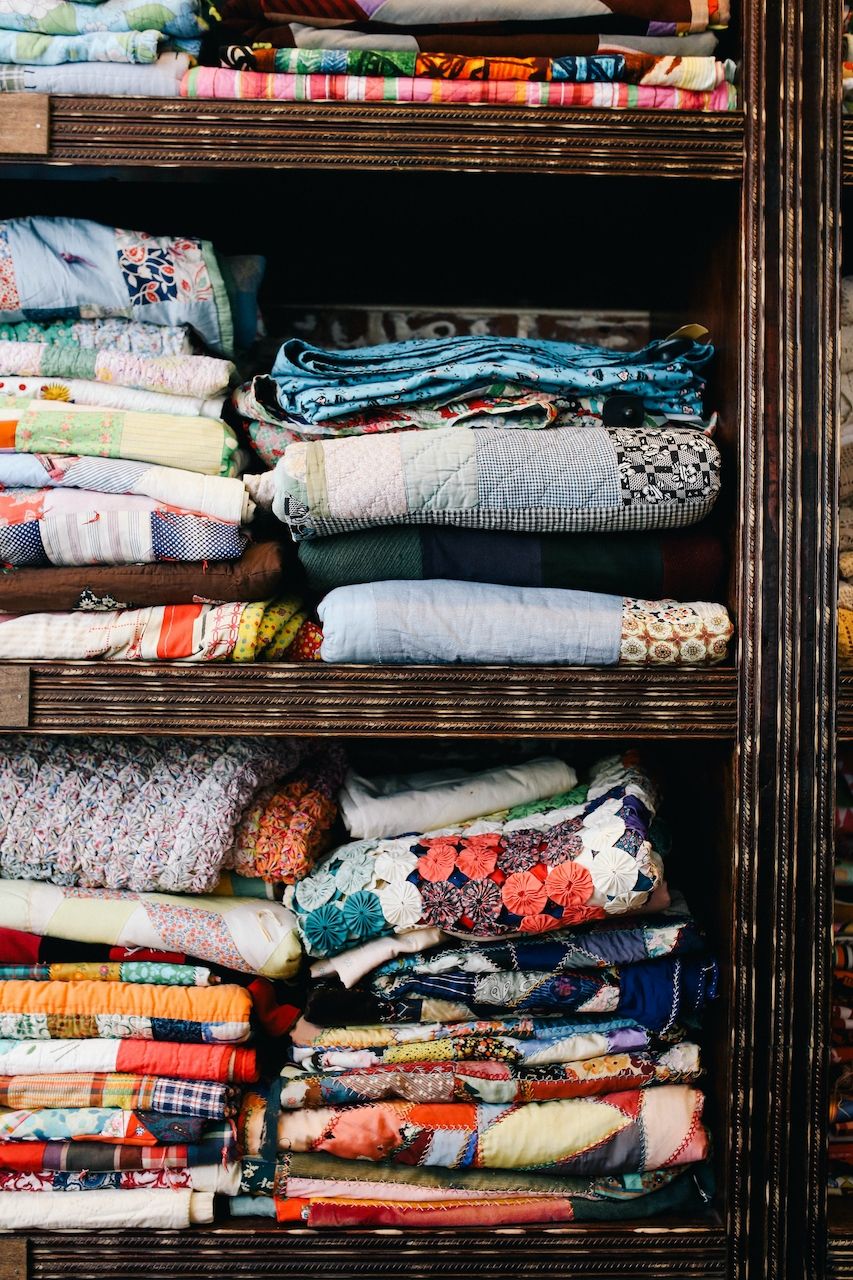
399 623
28 48
61 18
316 385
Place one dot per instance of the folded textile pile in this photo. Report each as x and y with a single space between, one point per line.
114 457
499 1076
439 488
654 55
129 1015
118 47
841 1101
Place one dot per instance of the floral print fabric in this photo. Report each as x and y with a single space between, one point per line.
572 858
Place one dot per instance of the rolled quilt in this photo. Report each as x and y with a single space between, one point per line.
178 375
320 385
165 1095
85 527
214 1178
160 79
99 46
399 623
16 391
163 1210
168 440
221 498
618 1132
88 1059
123 1011
216 1147
566 479
63 17
654 565
249 935
573 857
149 972
257 576
69 267
98 1124
109 334
491 1082
374 807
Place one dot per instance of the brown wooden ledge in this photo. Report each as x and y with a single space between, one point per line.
351 700
165 132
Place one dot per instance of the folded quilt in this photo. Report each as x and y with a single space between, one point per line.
662 17
376 807
124 1011
98 1124
142 1058
222 498
490 1082
657 994
257 576
221 82
168 440
626 1132
110 334
282 833
237 632
143 971
399 623
217 1147
163 1210
320 385
653 565
130 813
697 74
16 392
178 375
563 479
18 947
83 527
70 267
519 1041
164 1095
63 17
36 50
245 934
214 1178
160 79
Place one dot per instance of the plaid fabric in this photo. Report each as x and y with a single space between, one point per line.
516 470
218 1146
164 1095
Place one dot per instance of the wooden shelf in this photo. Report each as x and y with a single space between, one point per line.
845 706
391 701
197 134
257 1250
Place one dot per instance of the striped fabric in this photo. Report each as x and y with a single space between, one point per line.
165 1095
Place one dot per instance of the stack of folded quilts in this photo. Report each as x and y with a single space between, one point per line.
122 511
845 563
494 1033
841 1104
442 490
657 54
128 991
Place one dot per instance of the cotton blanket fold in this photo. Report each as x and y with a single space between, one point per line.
124 1011
160 79
166 975
564 479
320 385
136 337
653 565
257 576
251 936
165 1095
16 392
213 1178
400 623
35 50
167 440
98 1124
217 497
150 1209
179 375
130 813
82 527
217 1147
63 17
385 806
221 1063
19 947
491 1082
627 1132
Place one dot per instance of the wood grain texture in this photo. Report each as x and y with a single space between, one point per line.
196 134
24 124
